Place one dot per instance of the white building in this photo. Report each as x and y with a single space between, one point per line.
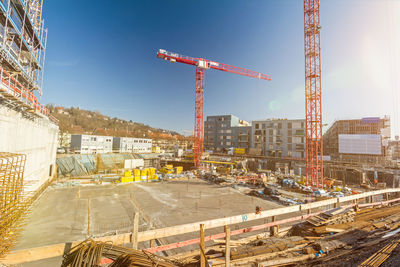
132 145
91 144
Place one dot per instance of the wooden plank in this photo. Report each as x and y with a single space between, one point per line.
135 230
227 246
202 247
193 227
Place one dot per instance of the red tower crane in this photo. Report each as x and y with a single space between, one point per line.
312 52
202 65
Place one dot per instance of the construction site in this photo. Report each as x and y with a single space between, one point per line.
270 192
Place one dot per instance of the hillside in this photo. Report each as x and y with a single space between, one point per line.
79 121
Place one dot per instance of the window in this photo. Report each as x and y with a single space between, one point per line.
289 147
257 126
289 125
289 132
289 139
271 132
263 126
280 125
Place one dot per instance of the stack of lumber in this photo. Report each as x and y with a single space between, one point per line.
335 216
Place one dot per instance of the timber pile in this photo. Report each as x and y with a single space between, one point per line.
335 216
91 253
381 256
267 246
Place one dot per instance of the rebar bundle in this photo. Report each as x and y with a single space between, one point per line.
89 253
13 206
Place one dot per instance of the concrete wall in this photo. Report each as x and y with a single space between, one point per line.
36 138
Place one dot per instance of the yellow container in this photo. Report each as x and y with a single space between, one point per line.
240 151
152 171
136 172
169 166
155 177
178 169
128 174
137 178
143 172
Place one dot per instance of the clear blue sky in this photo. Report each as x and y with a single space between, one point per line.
102 56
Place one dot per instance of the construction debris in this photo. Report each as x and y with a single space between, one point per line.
335 216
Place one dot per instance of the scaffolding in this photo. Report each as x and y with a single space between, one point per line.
13 204
23 41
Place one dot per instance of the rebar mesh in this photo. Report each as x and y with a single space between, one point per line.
13 205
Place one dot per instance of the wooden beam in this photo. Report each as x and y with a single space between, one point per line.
202 247
135 230
227 246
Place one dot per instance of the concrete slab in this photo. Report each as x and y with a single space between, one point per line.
61 214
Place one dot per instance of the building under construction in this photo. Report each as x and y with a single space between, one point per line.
28 136
358 140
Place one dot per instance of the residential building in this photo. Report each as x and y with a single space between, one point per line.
225 131
364 140
132 145
91 144
279 137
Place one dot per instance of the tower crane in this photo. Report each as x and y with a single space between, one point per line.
202 65
312 53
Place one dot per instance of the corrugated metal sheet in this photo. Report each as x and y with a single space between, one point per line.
369 144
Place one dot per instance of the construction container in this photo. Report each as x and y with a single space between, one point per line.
143 175
137 178
136 172
128 174
156 149
239 151
126 179
167 169
178 169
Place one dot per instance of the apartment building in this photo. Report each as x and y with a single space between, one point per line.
279 137
226 131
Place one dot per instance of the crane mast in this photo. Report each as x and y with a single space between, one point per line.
202 65
312 52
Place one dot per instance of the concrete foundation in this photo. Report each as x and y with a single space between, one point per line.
34 137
